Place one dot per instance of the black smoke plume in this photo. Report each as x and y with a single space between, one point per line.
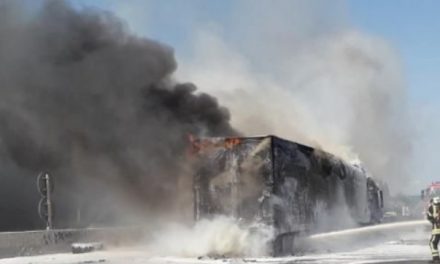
97 107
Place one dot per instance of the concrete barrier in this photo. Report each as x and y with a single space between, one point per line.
57 241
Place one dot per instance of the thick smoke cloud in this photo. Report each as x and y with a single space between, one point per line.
300 70
98 108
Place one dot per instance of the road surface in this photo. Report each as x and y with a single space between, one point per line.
401 243
397 251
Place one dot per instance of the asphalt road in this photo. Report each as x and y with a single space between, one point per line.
393 243
392 252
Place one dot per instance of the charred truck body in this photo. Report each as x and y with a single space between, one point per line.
291 187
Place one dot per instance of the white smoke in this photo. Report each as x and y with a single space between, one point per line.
300 70
331 87
219 237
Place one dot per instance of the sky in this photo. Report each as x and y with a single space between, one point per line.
409 27
412 28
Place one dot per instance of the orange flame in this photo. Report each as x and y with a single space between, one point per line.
231 142
198 145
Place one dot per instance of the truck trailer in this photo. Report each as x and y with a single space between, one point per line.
293 188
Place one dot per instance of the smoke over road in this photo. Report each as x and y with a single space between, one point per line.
217 237
302 71
98 108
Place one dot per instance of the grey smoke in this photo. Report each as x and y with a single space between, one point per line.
300 70
98 108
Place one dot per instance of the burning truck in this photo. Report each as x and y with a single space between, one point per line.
293 188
